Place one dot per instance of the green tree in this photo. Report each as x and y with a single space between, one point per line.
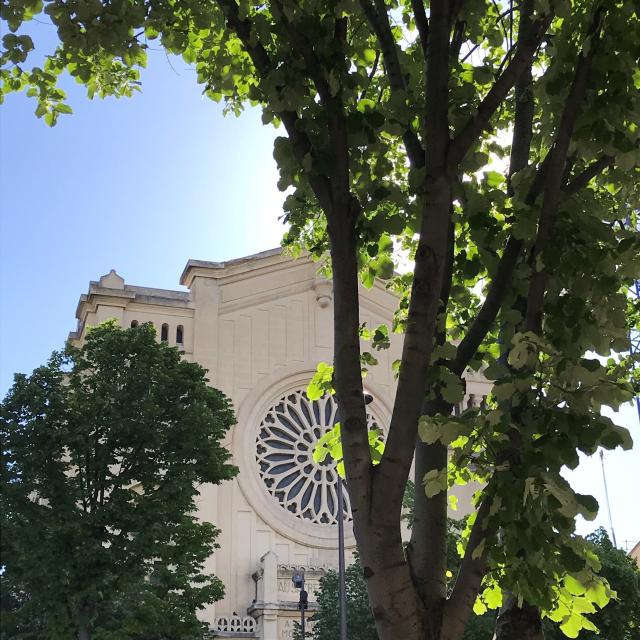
360 624
494 144
103 449
620 620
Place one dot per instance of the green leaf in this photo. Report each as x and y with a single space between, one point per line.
493 597
571 626
435 481
369 55
597 593
479 607
322 382
574 587
494 179
588 506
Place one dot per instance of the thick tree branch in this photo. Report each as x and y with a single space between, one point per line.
260 58
457 40
303 47
432 255
376 14
422 23
490 307
347 374
429 265
554 171
500 283
519 63
437 102
459 605
447 278
341 217
523 623
342 211
580 181
426 551
520 149
524 104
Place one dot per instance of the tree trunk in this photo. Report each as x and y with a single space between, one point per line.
427 549
376 502
518 623
395 606
83 618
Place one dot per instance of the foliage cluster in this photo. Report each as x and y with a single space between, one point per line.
494 145
620 620
103 449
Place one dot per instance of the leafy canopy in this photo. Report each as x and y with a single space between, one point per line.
103 450
619 620
482 158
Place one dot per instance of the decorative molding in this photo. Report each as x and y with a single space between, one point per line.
234 624
285 443
251 413
324 292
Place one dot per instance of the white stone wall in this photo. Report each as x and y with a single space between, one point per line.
260 326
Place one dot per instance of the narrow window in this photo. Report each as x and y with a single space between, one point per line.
179 334
164 333
134 324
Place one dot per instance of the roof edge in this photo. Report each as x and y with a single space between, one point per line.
223 266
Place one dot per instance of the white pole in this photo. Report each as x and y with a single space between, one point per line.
606 496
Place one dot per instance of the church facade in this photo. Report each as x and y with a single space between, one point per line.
260 325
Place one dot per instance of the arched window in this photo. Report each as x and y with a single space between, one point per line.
134 324
164 333
179 334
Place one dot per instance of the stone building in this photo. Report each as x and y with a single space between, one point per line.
260 325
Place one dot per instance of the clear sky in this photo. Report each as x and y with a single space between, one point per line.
142 185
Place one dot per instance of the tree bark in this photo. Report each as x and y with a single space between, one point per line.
376 516
83 617
428 546
518 623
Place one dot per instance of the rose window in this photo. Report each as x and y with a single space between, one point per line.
285 443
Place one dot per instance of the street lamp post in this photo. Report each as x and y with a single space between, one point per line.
303 603
342 596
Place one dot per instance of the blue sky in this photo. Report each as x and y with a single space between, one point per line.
142 185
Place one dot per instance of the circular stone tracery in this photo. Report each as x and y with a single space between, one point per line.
285 443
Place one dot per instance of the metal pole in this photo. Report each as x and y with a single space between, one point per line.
606 495
298 582
634 290
342 596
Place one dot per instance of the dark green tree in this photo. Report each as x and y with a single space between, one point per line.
496 145
102 452
360 624
620 619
